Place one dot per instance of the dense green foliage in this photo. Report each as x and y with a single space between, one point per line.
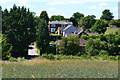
44 15
103 45
74 21
69 45
57 17
42 36
6 48
100 26
87 22
19 27
75 18
107 15
113 23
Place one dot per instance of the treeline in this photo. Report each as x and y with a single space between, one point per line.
20 28
95 46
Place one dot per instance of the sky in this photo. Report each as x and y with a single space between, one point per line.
65 8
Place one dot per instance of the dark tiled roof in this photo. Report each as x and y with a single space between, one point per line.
60 22
92 34
82 42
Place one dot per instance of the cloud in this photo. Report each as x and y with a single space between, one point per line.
102 4
65 2
56 3
23 4
55 11
15 1
102 0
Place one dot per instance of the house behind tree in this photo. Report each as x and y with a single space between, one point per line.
63 28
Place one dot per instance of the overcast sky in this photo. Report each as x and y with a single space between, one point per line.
65 7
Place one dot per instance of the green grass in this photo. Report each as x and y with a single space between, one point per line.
65 68
112 30
55 34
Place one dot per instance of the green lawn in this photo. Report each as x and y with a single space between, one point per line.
112 30
42 68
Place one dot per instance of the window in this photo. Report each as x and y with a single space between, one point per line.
62 25
52 25
52 29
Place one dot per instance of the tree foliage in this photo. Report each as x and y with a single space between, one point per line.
100 26
115 23
6 48
69 45
44 15
76 17
107 15
57 17
19 28
87 22
104 45
43 36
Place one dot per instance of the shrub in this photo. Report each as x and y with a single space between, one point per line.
48 56
13 59
6 48
103 52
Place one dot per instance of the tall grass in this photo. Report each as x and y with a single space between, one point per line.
68 68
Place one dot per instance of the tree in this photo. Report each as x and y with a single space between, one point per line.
100 26
43 36
69 45
6 48
57 17
114 23
107 15
94 47
77 16
74 21
44 15
87 22
19 28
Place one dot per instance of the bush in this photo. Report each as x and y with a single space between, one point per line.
85 37
103 52
6 48
13 59
48 56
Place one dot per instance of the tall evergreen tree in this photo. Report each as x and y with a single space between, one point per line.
42 36
19 28
44 15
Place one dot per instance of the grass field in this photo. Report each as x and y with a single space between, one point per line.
42 68
112 30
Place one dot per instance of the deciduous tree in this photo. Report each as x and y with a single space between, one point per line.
107 15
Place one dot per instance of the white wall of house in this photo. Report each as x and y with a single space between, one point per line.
70 30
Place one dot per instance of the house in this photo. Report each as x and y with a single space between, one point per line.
54 25
71 30
63 28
